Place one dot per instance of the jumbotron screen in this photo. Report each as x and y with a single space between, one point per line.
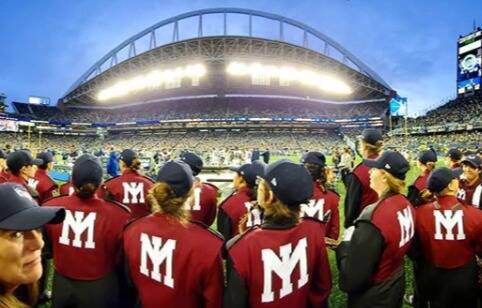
469 72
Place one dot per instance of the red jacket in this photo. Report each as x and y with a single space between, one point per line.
421 181
4 176
66 189
449 231
279 266
394 217
45 185
130 189
203 203
87 245
174 265
471 195
232 210
324 203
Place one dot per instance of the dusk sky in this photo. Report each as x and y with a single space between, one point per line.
47 45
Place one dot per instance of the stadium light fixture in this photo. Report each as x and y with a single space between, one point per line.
151 80
306 77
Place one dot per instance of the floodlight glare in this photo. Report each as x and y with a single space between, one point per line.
151 80
306 77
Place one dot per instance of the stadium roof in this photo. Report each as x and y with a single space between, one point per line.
135 47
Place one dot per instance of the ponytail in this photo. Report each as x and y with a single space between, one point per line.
163 200
86 191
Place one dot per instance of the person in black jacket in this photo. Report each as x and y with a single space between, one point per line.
417 192
370 258
357 185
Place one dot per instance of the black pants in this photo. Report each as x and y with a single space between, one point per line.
72 293
446 288
387 294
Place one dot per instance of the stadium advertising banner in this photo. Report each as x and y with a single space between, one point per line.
398 106
8 125
469 59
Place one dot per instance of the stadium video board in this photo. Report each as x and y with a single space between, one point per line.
469 60
398 106
38 100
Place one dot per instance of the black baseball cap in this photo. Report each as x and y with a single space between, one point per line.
314 158
87 169
391 161
20 212
371 135
46 157
291 183
248 173
3 155
474 160
440 178
18 159
455 154
259 168
194 161
427 156
178 175
128 156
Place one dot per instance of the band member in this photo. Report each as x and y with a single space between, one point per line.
44 184
370 257
359 194
470 190
87 245
282 262
173 262
449 238
417 192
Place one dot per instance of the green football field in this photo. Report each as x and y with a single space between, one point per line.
337 297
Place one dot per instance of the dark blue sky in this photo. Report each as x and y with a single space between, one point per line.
47 45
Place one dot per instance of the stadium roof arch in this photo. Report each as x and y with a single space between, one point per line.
112 58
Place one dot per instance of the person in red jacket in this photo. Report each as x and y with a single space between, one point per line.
470 188
22 167
417 192
449 238
453 158
359 194
235 207
87 246
370 258
129 188
42 182
66 189
203 203
323 205
171 261
4 174
282 262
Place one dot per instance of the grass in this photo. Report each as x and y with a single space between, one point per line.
337 298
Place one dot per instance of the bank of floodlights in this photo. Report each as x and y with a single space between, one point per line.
288 74
152 80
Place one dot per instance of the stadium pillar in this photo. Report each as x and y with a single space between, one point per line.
39 139
390 122
29 137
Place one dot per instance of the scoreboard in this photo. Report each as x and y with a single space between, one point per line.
469 62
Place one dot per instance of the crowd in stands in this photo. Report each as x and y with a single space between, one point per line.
226 148
226 108
463 110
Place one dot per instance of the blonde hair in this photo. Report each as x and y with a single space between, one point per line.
371 149
277 210
25 296
395 185
162 199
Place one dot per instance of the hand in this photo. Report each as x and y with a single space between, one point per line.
331 243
